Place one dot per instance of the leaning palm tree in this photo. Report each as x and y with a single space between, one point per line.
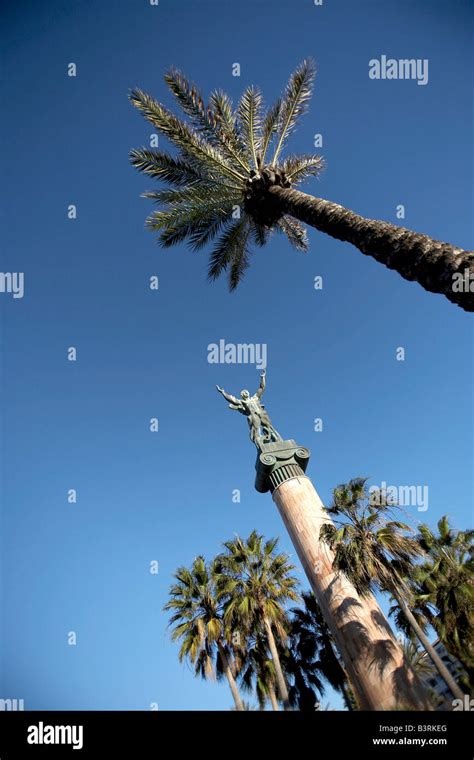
445 585
442 593
377 552
230 180
198 623
254 584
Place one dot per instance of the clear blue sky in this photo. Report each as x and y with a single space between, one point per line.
167 496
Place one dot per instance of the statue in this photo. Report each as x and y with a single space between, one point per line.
261 428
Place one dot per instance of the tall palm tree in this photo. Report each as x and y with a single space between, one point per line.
230 178
315 652
254 584
377 552
445 586
442 593
198 623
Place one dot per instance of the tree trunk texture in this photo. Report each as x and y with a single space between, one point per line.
373 658
414 256
273 699
282 687
228 673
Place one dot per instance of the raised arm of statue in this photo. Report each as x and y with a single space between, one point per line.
261 387
228 397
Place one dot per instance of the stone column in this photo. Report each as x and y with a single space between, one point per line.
372 656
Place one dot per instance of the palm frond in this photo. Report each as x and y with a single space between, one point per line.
295 101
160 165
260 234
226 128
231 251
294 231
269 128
178 223
249 111
298 168
185 197
190 100
197 151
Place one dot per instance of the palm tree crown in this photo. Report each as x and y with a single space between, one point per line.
370 549
444 588
254 584
199 625
256 581
230 180
218 180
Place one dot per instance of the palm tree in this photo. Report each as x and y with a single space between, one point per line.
258 672
444 586
417 658
254 583
442 594
301 671
198 623
225 181
376 552
314 651
421 664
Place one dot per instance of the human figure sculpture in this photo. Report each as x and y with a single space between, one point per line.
261 428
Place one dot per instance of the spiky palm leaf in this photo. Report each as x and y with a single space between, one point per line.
295 232
295 102
249 111
219 172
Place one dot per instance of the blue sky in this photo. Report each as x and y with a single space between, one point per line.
167 496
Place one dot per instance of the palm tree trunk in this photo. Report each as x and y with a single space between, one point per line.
273 699
414 256
282 687
371 654
228 673
432 653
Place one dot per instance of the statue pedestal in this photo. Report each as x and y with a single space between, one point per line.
279 461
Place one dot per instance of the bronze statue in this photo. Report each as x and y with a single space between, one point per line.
261 428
